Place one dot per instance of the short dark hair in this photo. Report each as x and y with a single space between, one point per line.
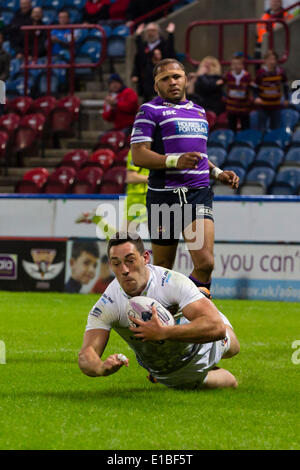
164 62
123 237
90 247
270 53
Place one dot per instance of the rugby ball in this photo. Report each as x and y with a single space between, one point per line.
141 308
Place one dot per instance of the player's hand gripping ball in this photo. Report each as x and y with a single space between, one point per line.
140 307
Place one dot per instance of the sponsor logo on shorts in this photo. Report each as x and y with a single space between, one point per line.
8 266
202 211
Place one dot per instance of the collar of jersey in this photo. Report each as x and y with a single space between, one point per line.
145 291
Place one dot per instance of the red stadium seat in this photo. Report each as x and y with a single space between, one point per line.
72 104
44 105
121 157
103 158
3 143
211 118
20 105
114 181
75 158
87 180
60 119
33 181
9 123
25 138
222 121
116 139
36 121
60 181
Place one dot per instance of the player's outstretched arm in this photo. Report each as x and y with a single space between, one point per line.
89 359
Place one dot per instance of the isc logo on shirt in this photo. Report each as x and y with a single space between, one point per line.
191 127
168 113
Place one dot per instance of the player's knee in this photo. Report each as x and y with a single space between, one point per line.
205 263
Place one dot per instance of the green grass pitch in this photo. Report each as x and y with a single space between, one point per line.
47 403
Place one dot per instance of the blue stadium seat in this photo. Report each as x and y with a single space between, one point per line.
75 15
241 172
293 156
79 4
41 84
217 155
270 156
15 87
7 47
116 47
287 181
262 174
60 73
296 137
37 3
250 137
12 5
289 119
14 67
254 121
49 16
7 16
241 155
56 4
223 137
121 31
83 59
278 137
91 48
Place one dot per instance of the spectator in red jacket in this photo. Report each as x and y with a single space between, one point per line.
118 10
120 105
95 11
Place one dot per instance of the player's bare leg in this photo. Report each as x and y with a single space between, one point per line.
201 248
220 378
164 255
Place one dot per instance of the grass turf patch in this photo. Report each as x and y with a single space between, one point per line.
47 403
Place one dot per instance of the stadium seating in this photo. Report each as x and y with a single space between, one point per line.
60 181
114 181
292 157
92 48
288 119
222 137
75 158
279 137
41 84
250 137
211 118
254 121
241 172
9 123
36 121
44 105
88 180
19 105
296 137
103 158
258 180
33 181
287 182
3 144
49 15
241 155
216 155
121 157
116 139
270 156
117 41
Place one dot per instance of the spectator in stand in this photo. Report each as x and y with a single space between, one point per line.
41 35
61 37
138 8
148 80
208 85
271 91
238 102
4 67
276 11
118 10
4 60
144 51
15 34
95 11
120 105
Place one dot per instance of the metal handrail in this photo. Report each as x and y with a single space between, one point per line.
294 5
49 66
245 23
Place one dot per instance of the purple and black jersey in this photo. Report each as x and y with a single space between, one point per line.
174 129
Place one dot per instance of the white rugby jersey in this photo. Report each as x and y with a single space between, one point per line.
167 287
